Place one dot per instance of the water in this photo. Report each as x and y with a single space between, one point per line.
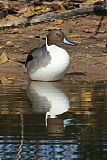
53 121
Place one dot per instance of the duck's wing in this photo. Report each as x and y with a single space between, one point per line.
29 58
35 54
38 57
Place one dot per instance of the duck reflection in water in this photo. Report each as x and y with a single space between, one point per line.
52 99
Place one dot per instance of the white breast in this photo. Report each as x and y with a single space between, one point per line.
56 68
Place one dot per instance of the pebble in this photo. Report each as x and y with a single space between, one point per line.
15 30
9 44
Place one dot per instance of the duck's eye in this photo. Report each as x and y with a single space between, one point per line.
58 34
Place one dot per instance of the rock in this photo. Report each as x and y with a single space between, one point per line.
9 44
15 30
31 36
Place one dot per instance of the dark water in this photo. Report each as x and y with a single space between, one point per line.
53 121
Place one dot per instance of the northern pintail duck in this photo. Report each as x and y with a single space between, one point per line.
50 62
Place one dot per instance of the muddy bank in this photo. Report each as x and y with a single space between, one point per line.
88 60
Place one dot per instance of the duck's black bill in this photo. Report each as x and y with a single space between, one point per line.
67 41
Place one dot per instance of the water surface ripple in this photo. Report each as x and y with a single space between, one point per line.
53 121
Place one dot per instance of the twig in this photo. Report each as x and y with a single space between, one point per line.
98 27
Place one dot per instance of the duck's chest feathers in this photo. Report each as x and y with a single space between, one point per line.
59 56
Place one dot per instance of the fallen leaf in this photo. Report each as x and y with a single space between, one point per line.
30 11
86 96
15 31
41 9
62 8
75 36
4 58
11 17
90 1
1 46
51 28
6 81
38 8
87 3
53 25
27 11
57 22
92 30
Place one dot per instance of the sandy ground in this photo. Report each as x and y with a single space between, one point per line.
88 60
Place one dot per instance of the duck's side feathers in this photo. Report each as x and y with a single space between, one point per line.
38 58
